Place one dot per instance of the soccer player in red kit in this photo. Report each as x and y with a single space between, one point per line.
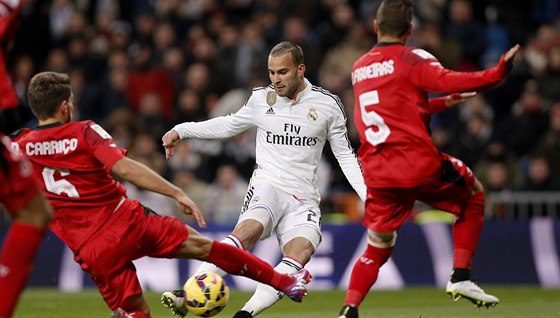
22 197
400 162
104 229
10 11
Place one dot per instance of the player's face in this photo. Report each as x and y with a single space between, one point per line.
286 77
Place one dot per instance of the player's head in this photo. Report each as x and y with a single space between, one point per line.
286 69
394 18
50 95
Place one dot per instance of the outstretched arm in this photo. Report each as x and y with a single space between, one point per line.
439 104
145 178
429 75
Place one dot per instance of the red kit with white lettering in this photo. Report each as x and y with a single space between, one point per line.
392 113
73 162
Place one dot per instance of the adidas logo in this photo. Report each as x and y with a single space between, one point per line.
270 111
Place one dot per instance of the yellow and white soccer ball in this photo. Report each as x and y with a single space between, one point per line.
206 294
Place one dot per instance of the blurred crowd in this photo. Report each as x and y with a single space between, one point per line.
140 67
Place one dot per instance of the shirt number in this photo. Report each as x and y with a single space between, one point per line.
59 186
371 118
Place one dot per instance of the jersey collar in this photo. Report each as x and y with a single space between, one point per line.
49 126
303 93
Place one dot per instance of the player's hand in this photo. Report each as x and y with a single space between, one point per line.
170 140
190 208
457 98
511 53
506 60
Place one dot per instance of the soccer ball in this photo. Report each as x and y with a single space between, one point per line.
206 294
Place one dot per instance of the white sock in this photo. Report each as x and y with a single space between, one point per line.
266 296
209 267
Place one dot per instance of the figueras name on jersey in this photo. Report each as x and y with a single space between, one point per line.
373 70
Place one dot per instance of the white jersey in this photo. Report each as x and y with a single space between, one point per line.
291 135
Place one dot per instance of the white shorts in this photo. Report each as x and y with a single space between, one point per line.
283 213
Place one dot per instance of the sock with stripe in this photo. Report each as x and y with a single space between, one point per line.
239 262
209 267
266 296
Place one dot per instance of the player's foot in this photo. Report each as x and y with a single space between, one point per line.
242 314
469 290
348 312
175 301
297 289
120 313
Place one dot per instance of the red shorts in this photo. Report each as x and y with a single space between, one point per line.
388 208
17 184
131 233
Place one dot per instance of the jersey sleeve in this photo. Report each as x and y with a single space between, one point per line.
102 145
427 73
436 105
338 139
220 127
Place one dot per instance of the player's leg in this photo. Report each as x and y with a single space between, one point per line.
256 222
244 236
235 261
386 210
460 193
19 248
31 215
298 245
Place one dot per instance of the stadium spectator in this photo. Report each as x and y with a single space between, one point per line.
31 214
294 120
401 164
105 230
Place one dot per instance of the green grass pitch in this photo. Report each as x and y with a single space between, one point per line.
412 302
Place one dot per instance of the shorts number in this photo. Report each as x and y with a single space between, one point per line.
59 186
371 118
311 216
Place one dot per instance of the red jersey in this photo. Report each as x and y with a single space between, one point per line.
391 83
73 162
17 185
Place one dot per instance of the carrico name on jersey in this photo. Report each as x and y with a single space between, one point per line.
72 163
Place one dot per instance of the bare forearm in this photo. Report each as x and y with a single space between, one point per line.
144 177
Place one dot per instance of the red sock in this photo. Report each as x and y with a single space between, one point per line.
466 231
364 273
16 262
239 262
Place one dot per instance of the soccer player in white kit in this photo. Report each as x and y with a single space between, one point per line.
294 120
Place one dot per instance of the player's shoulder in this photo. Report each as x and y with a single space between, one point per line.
413 55
19 133
324 95
262 90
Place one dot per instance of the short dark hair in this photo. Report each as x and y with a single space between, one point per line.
394 16
46 91
285 47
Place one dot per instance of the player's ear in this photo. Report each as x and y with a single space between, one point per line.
301 71
409 31
375 26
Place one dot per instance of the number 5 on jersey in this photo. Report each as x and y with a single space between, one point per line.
371 118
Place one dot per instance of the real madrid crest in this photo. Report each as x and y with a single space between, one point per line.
312 114
271 98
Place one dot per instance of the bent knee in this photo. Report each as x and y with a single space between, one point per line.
197 246
382 240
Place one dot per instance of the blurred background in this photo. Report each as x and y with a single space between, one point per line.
140 67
